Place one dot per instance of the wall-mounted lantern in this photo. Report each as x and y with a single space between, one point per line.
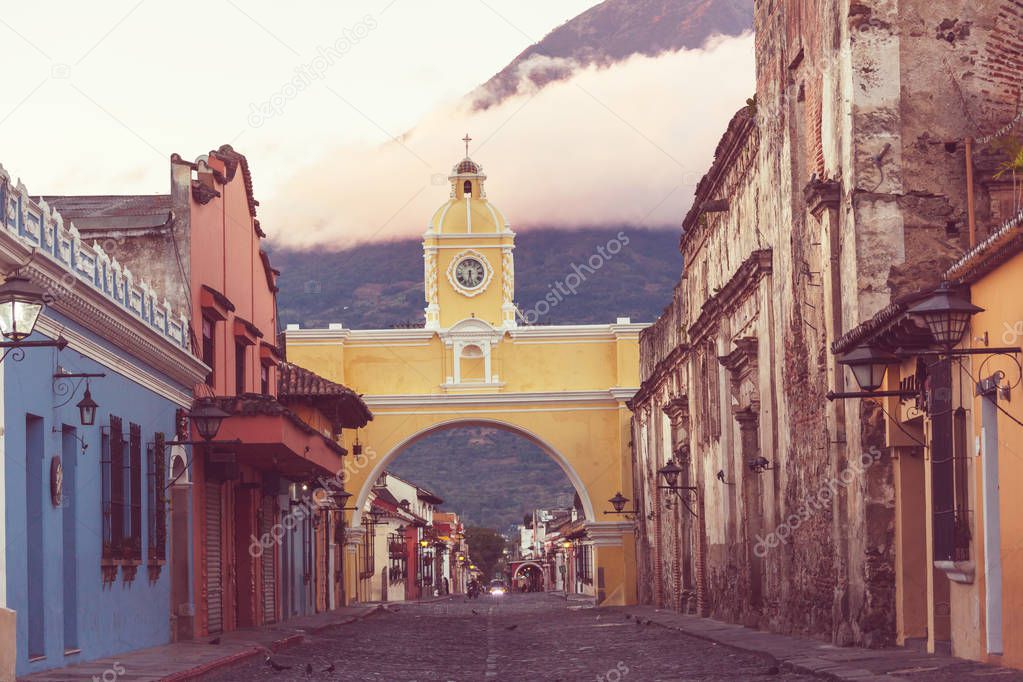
62 386
868 366
618 503
946 314
760 465
670 472
207 418
87 407
21 303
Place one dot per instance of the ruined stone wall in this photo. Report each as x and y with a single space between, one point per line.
847 190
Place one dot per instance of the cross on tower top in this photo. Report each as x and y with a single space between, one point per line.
467 140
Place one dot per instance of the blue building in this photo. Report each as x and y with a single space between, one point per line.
89 512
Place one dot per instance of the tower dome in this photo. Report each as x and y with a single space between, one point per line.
467 167
467 209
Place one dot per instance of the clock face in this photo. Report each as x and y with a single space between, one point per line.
470 273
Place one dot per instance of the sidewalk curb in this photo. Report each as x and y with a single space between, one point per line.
288 641
803 662
771 658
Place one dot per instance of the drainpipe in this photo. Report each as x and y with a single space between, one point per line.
992 522
970 199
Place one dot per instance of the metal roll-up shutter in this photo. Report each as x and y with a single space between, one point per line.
214 575
268 563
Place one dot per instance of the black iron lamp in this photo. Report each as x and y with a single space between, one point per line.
340 498
618 502
868 365
21 302
87 407
207 418
373 517
670 473
946 313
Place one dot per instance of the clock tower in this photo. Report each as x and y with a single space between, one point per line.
467 254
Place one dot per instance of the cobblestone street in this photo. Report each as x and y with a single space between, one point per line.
515 637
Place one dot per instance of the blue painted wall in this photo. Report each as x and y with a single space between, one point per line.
64 569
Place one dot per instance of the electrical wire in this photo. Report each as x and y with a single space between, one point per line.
994 401
901 428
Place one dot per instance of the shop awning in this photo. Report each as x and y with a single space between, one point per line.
274 439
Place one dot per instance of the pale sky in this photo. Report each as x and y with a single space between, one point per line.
97 95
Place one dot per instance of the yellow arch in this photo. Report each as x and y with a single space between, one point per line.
518 568
382 463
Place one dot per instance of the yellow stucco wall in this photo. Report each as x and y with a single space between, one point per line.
1002 321
564 387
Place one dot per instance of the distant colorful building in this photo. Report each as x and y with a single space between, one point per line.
86 453
404 547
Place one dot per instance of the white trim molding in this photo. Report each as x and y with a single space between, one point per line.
615 395
609 533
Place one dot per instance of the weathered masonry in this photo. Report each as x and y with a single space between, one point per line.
842 186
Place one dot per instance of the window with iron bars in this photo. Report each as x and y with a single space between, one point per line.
426 567
368 552
584 564
156 479
398 562
122 491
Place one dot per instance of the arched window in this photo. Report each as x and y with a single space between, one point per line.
467 187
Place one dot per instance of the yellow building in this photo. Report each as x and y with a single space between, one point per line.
954 420
562 387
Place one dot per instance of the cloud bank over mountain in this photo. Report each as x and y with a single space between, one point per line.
608 145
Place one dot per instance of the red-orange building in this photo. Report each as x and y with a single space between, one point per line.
250 545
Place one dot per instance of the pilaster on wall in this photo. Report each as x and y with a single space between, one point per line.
353 541
615 561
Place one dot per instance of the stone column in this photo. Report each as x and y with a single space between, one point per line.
752 497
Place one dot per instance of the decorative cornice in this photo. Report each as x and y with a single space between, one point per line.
677 409
80 280
658 375
743 283
742 359
821 195
738 143
429 235
598 332
609 533
579 331
180 394
615 395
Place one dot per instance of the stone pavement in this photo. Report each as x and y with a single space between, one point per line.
819 658
188 660
515 637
